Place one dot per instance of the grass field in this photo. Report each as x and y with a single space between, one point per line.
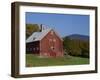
33 61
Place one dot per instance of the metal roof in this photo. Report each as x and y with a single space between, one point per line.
37 36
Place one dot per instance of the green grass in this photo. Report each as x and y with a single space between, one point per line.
33 61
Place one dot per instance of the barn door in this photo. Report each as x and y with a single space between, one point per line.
52 53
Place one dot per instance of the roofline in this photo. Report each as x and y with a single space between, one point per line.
33 41
55 33
46 34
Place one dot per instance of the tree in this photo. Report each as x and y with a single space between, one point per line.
85 49
66 45
30 28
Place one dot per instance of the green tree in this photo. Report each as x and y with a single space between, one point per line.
85 49
66 45
30 28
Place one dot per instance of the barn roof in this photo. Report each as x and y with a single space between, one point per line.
37 36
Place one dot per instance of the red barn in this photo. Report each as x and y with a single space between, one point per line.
46 43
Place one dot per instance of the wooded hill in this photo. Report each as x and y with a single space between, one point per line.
76 46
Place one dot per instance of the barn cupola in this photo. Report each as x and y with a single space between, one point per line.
42 27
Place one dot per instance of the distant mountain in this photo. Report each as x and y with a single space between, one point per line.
78 37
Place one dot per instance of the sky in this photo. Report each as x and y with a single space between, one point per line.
63 24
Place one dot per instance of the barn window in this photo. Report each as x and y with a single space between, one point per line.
52 48
54 40
34 49
50 40
30 49
37 48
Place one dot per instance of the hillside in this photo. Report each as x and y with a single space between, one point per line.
76 45
78 37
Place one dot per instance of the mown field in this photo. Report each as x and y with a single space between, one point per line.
34 61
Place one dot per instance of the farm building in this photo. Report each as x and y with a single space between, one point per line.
45 43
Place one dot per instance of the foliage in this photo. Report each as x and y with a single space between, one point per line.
30 28
76 47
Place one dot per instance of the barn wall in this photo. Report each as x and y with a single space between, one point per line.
33 47
51 45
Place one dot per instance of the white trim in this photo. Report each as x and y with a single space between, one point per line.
51 69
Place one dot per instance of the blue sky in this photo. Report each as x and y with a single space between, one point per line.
64 24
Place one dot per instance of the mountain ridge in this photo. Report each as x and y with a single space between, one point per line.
78 37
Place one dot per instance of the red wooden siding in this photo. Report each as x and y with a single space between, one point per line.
51 45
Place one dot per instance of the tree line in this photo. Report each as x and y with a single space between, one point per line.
76 47
30 28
